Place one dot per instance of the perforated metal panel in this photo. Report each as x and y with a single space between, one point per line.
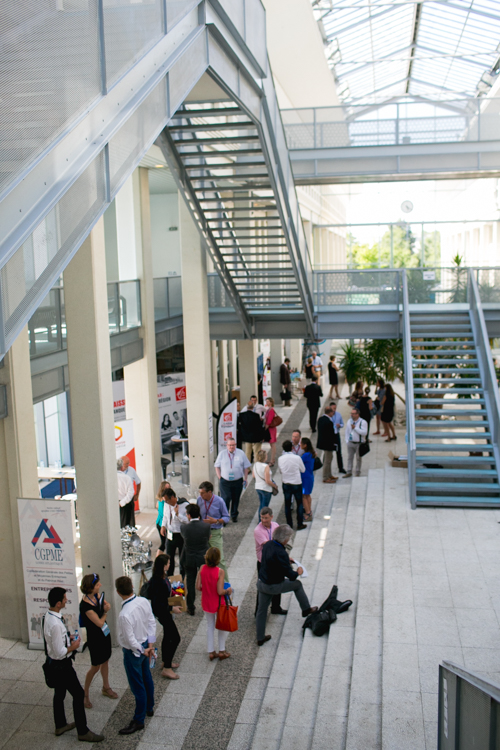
49 73
140 130
474 728
34 267
130 30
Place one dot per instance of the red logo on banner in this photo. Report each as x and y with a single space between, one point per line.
227 416
180 393
228 436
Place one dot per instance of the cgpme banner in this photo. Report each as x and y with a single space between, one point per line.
226 423
48 560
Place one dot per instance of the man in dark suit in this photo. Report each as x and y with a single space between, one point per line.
313 394
285 379
326 443
196 535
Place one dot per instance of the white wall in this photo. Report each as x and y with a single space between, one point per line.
166 243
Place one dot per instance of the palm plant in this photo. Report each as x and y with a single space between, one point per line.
353 363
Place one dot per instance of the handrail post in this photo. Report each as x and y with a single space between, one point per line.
410 405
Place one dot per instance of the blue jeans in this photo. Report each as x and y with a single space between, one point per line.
140 681
289 491
265 498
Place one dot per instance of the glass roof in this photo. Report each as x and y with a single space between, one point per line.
381 50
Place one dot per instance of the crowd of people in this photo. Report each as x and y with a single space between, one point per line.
194 531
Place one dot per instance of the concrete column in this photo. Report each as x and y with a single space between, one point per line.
89 362
214 361
247 355
233 364
19 478
197 354
276 362
223 372
140 377
295 354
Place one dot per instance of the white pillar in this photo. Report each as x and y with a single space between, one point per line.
247 355
295 354
197 350
276 362
224 368
214 362
19 478
233 364
89 362
140 377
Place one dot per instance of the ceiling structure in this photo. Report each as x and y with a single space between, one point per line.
386 50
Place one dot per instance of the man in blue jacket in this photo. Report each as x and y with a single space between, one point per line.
275 567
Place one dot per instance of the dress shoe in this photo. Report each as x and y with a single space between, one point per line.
344 606
67 728
150 713
91 737
309 611
134 726
341 471
299 528
191 612
348 474
264 640
329 481
334 478
234 520
279 611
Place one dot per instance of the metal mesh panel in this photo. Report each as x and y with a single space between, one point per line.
130 30
488 280
217 295
356 288
38 262
185 73
437 285
474 718
235 9
136 135
176 9
49 73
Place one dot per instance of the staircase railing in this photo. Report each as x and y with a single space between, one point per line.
485 363
468 709
410 404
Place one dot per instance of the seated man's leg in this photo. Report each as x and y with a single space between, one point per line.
263 606
298 590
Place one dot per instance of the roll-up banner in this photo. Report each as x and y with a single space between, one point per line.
226 423
48 553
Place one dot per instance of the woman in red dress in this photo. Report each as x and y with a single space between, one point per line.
270 414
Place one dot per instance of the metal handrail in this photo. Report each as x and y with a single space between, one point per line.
410 404
485 362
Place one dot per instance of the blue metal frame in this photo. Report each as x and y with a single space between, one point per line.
410 403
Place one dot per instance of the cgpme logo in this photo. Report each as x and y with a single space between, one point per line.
180 393
51 537
227 417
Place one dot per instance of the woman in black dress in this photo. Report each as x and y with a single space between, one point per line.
159 591
365 406
387 415
309 369
93 613
333 374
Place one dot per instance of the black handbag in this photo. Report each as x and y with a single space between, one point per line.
364 448
286 395
318 464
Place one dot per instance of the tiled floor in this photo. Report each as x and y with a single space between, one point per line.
425 586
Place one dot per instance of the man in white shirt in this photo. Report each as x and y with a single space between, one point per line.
291 467
174 515
60 648
258 408
317 363
125 495
355 433
296 438
231 466
136 636
134 476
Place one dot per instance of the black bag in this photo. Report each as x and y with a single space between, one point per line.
146 590
286 395
318 464
364 448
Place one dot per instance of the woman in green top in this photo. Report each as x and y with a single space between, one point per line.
159 520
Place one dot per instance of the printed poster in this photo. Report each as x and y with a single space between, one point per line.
172 407
226 423
48 554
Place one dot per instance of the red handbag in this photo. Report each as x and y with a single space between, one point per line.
227 616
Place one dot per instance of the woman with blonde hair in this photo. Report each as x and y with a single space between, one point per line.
210 581
159 503
263 481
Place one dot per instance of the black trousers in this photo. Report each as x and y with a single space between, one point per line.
313 416
338 451
68 682
163 539
293 491
276 600
230 491
171 640
176 543
196 560
127 515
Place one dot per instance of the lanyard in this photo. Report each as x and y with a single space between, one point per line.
231 458
129 600
270 532
210 505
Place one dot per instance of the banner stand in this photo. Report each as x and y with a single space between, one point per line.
226 423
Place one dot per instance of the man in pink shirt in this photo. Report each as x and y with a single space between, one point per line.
263 533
